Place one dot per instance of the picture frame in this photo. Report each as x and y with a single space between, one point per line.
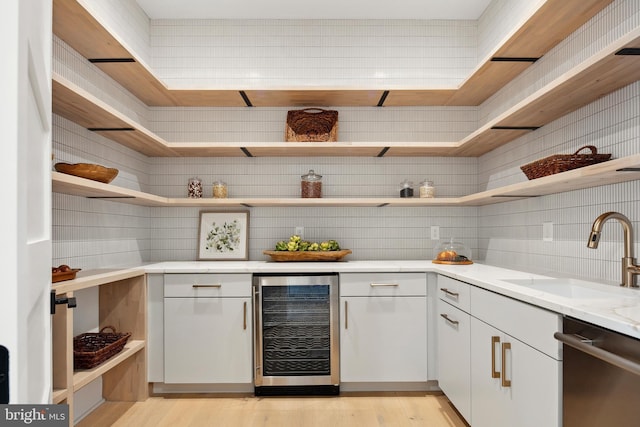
223 235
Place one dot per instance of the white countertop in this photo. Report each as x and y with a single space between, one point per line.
617 308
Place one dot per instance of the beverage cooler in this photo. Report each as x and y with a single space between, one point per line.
296 334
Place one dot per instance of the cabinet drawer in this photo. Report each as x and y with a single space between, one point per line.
383 284
532 325
454 292
207 285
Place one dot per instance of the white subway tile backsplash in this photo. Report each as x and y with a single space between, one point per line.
332 53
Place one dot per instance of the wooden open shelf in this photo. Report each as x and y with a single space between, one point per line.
610 172
597 76
122 304
550 24
83 377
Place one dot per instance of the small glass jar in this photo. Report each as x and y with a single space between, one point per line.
427 190
220 190
406 188
311 185
194 189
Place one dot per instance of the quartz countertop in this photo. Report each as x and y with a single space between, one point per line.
613 307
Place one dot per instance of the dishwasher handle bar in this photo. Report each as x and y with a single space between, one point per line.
611 358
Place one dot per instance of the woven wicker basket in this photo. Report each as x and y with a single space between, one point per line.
91 349
563 162
312 125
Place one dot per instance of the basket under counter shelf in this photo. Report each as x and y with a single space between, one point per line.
124 375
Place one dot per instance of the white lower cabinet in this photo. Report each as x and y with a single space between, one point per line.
454 356
383 327
207 329
499 364
512 383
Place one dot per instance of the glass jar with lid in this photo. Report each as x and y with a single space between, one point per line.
194 188
220 190
406 188
427 190
311 185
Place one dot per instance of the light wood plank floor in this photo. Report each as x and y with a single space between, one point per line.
347 410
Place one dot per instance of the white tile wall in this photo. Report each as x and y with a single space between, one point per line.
510 234
342 176
371 233
428 124
75 68
497 22
97 233
94 233
126 20
253 54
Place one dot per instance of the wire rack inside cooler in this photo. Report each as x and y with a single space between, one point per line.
296 330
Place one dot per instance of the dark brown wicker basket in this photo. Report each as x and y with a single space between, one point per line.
312 125
91 349
563 162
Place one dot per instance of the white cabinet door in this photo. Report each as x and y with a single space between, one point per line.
383 339
523 391
454 356
208 340
488 398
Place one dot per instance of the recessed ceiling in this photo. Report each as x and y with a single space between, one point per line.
307 9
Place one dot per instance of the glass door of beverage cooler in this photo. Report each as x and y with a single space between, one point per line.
296 334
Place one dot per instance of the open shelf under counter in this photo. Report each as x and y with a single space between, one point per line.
83 377
122 305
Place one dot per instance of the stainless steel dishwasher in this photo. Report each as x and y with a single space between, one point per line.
296 334
601 376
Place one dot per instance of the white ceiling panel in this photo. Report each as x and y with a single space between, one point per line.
316 9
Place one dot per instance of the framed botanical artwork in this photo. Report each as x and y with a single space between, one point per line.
223 236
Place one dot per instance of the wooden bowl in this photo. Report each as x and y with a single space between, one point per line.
301 256
64 275
88 171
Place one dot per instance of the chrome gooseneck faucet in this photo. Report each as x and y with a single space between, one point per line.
629 267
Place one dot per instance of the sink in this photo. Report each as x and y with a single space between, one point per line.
567 288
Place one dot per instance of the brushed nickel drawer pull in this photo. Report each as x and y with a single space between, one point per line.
448 319
450 293
216 285
494 341
505 382
383 284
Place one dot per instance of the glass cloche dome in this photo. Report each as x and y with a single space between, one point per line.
450 252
